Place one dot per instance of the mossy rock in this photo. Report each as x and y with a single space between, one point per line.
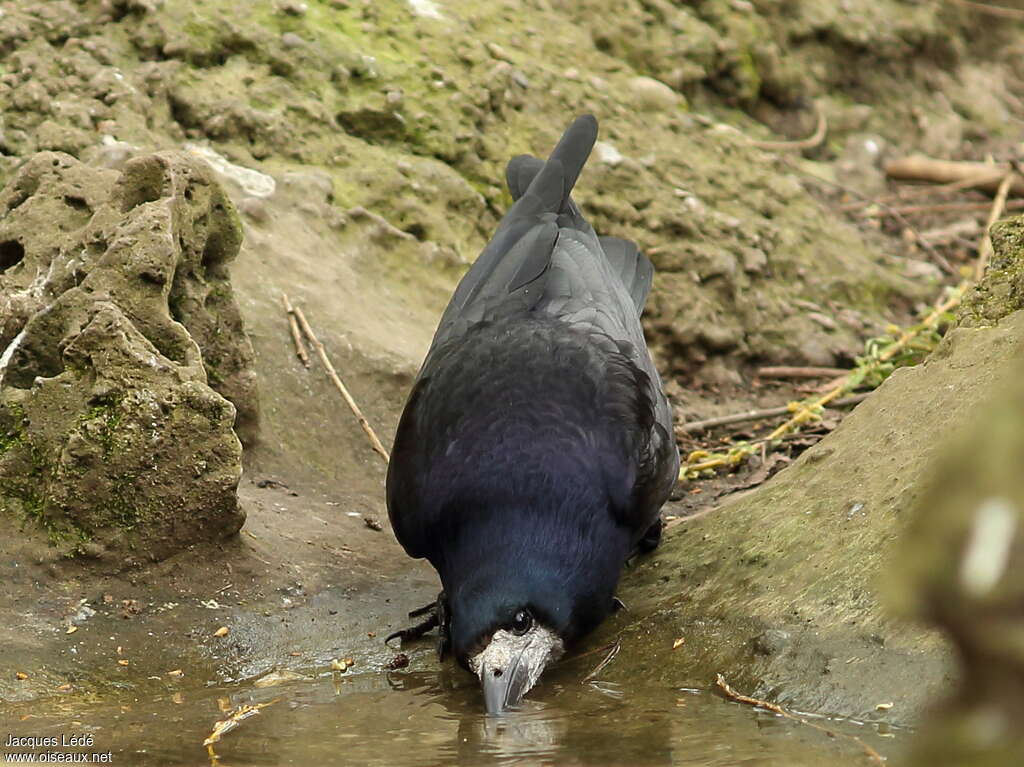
780 588
113 441
961 567
1001 291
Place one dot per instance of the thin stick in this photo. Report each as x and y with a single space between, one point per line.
919 168
293 325
702 513
600 666
985 245
919 190
939 207
786 371
775 708
807 413
573 658
805 143
757 415
939 259
322 353
992 10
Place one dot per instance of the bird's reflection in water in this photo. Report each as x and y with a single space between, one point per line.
536 728
562 722
530 730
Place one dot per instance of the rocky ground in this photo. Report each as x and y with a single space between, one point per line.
362 145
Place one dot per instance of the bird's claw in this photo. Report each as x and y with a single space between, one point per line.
649 542
416 631
437 617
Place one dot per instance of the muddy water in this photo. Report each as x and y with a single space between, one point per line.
435 718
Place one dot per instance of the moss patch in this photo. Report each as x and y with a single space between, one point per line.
1001 292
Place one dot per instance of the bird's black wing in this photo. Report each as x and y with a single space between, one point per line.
545 260
632 267
575 295
520 251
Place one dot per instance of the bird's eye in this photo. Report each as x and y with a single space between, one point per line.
522 622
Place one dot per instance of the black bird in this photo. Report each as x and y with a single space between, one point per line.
536 448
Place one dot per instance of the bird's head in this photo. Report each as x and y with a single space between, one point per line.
510 619
523 583
512 659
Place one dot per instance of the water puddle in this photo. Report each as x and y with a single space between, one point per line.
398 719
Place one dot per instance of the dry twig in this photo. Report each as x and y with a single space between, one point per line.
804 414
939 207
757 415
787 371
600 666
992 10
998 206
293 325
983 175
235 718
804 411
939 259
810 142
775 708
917 190
952 233
322 353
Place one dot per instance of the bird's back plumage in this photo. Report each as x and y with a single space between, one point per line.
537 437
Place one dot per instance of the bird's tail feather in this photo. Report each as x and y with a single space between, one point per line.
572 152
520 172
540 187
633 267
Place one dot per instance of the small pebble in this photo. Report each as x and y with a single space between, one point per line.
498 52
254 208
652 95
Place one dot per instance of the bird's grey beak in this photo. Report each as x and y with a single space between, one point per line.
510 665
505 688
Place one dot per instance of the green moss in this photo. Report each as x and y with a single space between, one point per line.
1001 292
109 414
747 77
12 430
123 510
23 493
21 477
213 375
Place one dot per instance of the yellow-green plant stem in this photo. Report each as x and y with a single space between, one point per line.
808 410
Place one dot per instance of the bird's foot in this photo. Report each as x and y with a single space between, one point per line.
437 617
415 631
649 542
651 538
618 604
